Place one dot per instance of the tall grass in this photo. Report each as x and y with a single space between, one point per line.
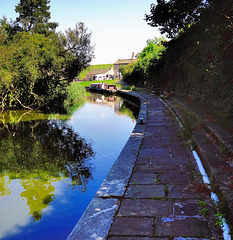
76 97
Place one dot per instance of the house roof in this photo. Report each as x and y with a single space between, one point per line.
125 61
98 71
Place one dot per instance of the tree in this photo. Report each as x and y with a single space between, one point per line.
153 49
174 15
37 64
136 73
30 70
34 16
35 69
77 49
197 62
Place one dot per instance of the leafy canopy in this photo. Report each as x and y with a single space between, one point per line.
37 64
34 16
77 44
137 71
199 61
173 15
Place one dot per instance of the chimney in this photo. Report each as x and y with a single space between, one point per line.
132 55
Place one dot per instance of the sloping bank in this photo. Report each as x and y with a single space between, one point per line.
215 148
98 216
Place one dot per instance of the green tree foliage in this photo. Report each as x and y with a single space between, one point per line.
137 72
30 70
174 15
150 53
37 64
198 61
34 16
77 48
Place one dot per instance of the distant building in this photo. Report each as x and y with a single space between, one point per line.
122 62
100 74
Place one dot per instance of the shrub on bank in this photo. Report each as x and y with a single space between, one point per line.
76 95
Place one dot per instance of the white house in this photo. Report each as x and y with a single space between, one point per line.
100 74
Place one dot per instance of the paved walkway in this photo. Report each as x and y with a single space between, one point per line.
165 198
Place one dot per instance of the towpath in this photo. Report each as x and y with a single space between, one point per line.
165 198
154 190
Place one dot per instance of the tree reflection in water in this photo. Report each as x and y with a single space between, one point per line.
38 153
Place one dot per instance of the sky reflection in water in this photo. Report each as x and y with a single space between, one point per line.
46 201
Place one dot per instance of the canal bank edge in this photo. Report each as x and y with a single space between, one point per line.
96 220
98 217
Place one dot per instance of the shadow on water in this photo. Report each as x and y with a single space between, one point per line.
39 153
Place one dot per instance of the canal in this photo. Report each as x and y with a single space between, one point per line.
52 165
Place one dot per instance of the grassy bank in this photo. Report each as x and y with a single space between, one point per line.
115 82
82 75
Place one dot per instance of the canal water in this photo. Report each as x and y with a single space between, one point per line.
52 165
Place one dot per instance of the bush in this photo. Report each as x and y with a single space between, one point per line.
137 73
75 97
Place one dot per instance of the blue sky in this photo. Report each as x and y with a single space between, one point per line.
117 27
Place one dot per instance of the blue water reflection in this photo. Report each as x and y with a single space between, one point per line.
106 124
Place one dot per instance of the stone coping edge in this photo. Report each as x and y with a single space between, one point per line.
96 220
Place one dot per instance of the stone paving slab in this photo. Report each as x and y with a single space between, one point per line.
115 182
154 152
145 191
144 178
191 227
155 120
132 226
98 211
153 112
187 207
176 178
155 129
145 208
181 191
155 143
153 160
178 151
194 238
166 167
158 131
159 124
141 238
